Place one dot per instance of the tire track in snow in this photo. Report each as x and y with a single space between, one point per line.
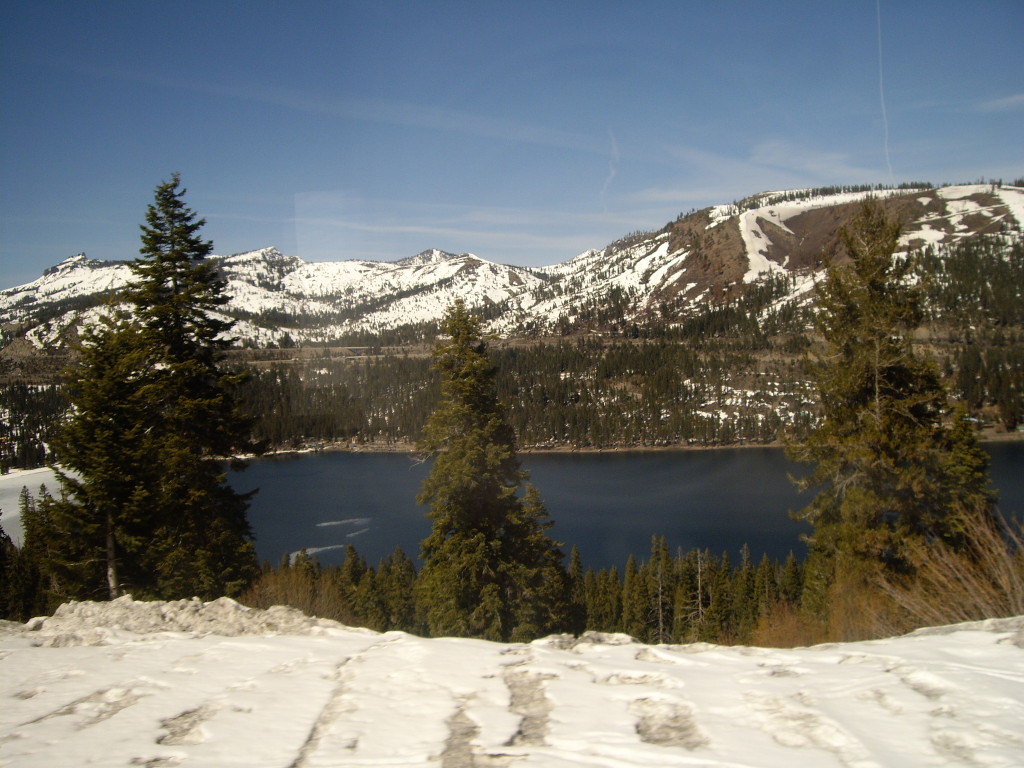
332 710
338 704
186 727
528 699
95 707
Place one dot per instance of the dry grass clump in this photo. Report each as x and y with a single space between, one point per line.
783 626
981 579
313 592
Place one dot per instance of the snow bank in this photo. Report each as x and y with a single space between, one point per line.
89 623
217 684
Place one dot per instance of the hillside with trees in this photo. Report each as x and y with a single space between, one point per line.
660 339
904 527
861 383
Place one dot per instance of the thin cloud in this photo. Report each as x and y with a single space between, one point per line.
1005 104
708 178
343 225
456 121
820 165
387 111
769 164
613 164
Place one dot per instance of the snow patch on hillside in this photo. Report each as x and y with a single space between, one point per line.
755 240
218 684
1013 199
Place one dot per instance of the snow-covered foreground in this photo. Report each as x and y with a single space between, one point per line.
216 684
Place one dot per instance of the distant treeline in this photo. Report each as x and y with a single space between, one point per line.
666 598
760 201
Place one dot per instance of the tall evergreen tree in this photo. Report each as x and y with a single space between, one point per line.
604 600
887 464
634 600
490 570
396 577
661 586
577 593
203 542
153 418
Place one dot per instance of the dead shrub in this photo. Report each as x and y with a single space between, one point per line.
782 625
981 578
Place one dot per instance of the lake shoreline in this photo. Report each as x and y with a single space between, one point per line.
533 450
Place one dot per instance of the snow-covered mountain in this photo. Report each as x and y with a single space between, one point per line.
217 684
701 258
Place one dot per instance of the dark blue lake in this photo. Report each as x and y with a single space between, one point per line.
608 504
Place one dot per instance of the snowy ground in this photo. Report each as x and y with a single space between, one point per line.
216 684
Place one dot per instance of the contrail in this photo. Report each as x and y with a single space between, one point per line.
881 89
613 163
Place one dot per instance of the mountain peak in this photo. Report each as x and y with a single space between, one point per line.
78 258
429 256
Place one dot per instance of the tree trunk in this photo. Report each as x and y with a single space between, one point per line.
112 584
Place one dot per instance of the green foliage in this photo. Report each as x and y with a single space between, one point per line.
41 558
887 465
32 414
664 599
689 597
583 392
145 505
975 285
489 568
577 593
975 302
17 581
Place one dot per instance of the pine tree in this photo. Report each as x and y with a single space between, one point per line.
885 460
635 600
395 580
718 618
347 579
577 580
791 581
604 600
21 593
661 586
145 506
744 605
766 584
203 540
44 555
690 597
490 570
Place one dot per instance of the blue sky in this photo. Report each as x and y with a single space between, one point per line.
524 132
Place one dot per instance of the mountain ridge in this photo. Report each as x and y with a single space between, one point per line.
703 258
